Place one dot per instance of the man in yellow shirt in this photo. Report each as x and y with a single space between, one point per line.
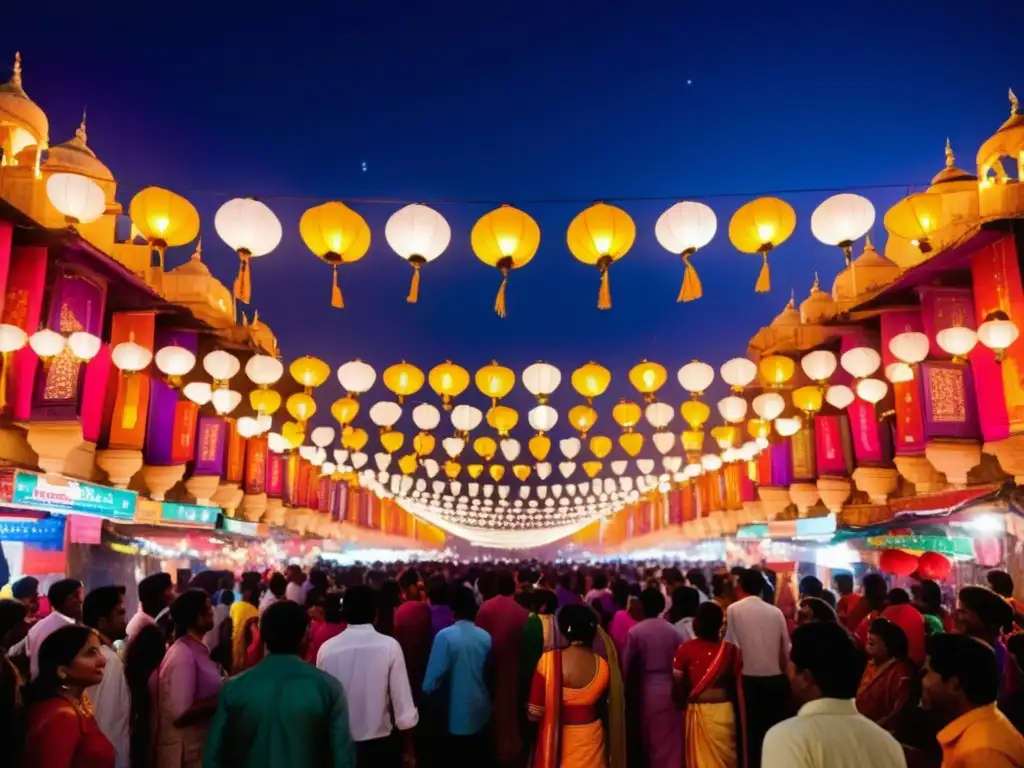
961 682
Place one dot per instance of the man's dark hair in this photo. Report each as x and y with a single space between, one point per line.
60 591
600 580
898 596
360 606
991 609
544 600
844 583
437 590
697 579
410 578
811 586
685 601
332 608
969 660
315 597
931 596
565 580
1001 583
278 585
875 590
283 627
151 592
186 608
25 587
827 651
652 602
506 585
708 623
671 575
487 584
99 603
820 610
892 635
829 597
464 605
751 582
620 593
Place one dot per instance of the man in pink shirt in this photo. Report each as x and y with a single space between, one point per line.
412 628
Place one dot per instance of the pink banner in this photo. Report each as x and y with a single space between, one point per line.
6 238
943 308
828 436
909 415
275 475
895 323
94 388
23 306
85 529
867 443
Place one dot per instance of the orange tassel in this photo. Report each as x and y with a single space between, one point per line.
337 300
414 286
691 288
243 282
499 302
3 380
604 295
764 280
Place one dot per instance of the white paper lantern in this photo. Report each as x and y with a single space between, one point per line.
710 462
860 362
264 421
130 357
466 418
738 372
819 365
686 227
899 372
769 405
543 418
356 377
84 346
570 447
327 468
733 409
12 338
842 219
426 417
788 426
277 443
221 365
248 225
957 341
247 427
663 441
77 198
453 446
199 392
385 413
541 379
910 347
174 361
839 396
264 370
659 415
872 390
47 343
225 400
695 377
322 436
998 332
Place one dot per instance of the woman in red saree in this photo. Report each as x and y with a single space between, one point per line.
889 686
706 672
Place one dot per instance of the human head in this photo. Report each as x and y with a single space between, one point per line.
332 608
487 585
697 579
360 605
886 640
620 593
1001 583
464 604
284 628
156 592
829 597
70 656
600 580
844 583
931 596
505 583
751 582
13 626
812 609
315 603
708 623
278 585
982 613
66 597
26 591
684 602
671 576
192 613
898 597
437 590
811 586
103 610
652 602
295 574
875 590
545 602
250 587
824 663
410 583
566 580
578 624
960 674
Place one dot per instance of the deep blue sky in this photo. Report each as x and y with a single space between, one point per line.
516 102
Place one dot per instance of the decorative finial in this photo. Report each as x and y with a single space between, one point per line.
245 320
816 286
867 242
1014 104
255 317
16 75
80 133
792 298
950 157
197 254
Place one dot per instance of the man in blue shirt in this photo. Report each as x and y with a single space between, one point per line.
458 671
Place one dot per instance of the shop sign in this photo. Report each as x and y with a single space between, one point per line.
64 495
47 533
244 528
958 546
174 513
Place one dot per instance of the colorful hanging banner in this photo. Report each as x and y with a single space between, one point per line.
47 533
949 403
275 475
957 546
211 435
129 409
255 465
234 469
23 307
183 439
942 308
868 447
802 447
829 454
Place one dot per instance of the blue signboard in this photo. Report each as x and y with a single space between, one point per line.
47 533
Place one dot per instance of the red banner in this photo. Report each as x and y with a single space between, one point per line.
256 465
183 440
234 470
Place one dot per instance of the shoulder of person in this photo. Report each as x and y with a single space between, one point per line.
54 713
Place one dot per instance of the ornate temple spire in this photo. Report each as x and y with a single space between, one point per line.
197 254
950 157
867 242
816 285
80 133
16 74
1014 104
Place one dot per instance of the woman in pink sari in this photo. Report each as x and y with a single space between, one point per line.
707 672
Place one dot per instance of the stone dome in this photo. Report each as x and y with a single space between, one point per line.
17 110
951 175
194 267
819 307
1008 141
789 315
75 156
866 274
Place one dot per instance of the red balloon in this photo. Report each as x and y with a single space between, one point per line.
932 565
898 562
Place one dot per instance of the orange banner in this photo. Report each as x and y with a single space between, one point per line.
128 395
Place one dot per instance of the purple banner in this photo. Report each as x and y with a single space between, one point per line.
210 436
160 425
782 464
949 402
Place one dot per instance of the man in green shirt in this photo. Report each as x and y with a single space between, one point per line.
283 711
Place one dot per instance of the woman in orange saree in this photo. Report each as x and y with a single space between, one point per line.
568 697
707 672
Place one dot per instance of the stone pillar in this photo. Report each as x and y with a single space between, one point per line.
834 492
879 483
919 471
59 446
1010 455
954 459
159 480
202 488
120 464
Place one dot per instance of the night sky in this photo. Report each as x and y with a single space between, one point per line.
522 103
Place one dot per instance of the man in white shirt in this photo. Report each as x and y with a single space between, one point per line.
156 592
104 611
371 669
828 732
298 585
759 630
65 598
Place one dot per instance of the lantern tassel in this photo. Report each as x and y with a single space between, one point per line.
337 300
691 289
499 301
243 282
604 294
130 409
764 280
414 286
6 362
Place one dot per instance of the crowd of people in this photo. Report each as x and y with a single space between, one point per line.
512 665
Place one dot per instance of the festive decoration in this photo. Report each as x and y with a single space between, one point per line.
508 239
251 229
932 565
684 229
419 235
164 219
897 562
760 226
337 235
598 236
449 381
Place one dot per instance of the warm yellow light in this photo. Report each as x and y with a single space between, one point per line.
540 446
310 372
591 380
496 471
265 401
485 447
505 238
600 446
391 441
627 414
725 436
165 219
599 236
301 406
344 409
776 370
632 442
582 417
403 379
495 381
335 233
448 380
695 413
502 418
354 439
808 399
647 378
916 218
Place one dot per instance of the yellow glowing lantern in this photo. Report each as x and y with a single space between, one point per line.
759 428
600 446
540 446
916 218
345 409
485 447
337 235
502 418
448 381
591 468
632 442
591 380
301 407
265 401
724 435
808 399
391 440
776 370
627 414
506 238
695 413
522 472
452 469
495 381
647 378
758 227
165 219
582 418
693 441
310 372
424 443
294 433
599 236
497 471
408 463
403 379
354 439
474 470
